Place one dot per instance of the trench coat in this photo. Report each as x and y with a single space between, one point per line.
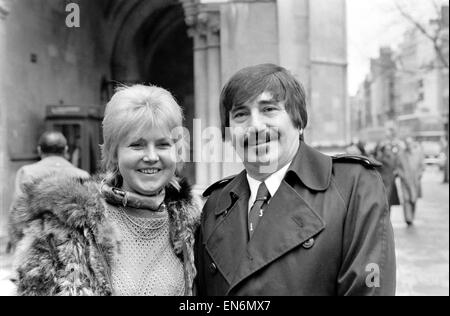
326 231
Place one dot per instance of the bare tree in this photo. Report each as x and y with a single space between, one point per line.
436 30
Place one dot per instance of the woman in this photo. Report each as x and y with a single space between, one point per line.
129 233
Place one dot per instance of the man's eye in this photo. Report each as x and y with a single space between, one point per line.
269 109
239 115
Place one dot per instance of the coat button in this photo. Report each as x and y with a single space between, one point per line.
212 268
308 244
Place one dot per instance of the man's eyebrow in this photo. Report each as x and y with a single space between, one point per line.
268 102
238 107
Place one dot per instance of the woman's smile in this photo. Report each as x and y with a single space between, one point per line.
149 171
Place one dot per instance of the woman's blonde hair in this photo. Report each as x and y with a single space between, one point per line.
131 111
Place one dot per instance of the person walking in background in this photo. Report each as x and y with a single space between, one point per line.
52 149
129 232
295 221
384 153
408 172
417 162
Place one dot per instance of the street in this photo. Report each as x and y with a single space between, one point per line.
422 250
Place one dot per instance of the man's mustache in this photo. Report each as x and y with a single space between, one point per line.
260 137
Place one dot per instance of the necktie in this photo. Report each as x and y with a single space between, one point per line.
257 212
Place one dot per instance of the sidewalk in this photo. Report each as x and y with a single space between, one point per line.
423 249
6 288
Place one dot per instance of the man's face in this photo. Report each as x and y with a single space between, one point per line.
264 135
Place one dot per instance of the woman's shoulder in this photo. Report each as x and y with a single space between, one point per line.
185 201
73 201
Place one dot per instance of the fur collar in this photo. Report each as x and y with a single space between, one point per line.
78 203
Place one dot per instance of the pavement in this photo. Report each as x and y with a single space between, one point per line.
422 250
6 287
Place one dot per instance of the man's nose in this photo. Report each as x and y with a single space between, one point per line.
257 121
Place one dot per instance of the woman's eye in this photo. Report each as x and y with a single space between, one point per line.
135 145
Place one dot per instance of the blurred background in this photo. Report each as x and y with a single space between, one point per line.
376 74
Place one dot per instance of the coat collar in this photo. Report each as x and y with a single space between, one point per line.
237 188
312 168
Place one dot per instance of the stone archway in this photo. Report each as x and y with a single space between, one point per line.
153 47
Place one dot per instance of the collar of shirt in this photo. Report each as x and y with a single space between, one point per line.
273 182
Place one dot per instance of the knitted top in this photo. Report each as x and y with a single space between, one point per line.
146 264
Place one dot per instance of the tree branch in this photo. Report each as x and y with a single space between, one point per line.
434 38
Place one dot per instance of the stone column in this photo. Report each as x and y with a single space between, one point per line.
214 88
203 21
294 39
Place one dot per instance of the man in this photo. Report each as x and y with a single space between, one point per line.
52 148
295 221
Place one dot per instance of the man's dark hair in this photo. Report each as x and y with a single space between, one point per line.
52 142
250 82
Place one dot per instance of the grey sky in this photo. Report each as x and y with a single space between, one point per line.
376 23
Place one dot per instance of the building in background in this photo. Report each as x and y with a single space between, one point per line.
422 85
407 88
190 47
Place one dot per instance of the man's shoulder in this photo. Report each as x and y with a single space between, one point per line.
351 170
348 159
218 185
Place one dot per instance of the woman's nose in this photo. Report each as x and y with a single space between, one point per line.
150 155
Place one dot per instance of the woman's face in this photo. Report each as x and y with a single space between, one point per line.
147 162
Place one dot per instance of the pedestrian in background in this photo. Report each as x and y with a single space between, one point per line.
52 149
131 232
408 173
386 155
417 162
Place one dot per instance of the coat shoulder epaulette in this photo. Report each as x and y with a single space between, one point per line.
365 161
217 185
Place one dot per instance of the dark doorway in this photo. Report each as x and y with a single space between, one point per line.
171 67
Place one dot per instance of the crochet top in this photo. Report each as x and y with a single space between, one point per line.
146 264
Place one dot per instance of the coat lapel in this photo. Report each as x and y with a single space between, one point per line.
287 223
228 240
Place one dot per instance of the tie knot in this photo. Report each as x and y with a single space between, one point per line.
263 193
